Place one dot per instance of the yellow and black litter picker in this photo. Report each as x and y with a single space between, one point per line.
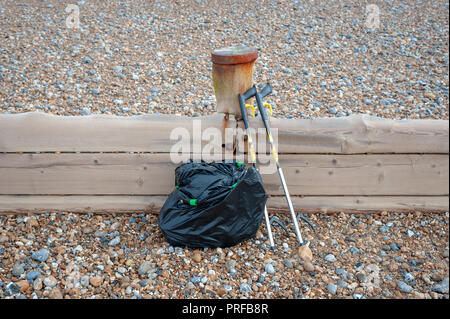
242 98
259 96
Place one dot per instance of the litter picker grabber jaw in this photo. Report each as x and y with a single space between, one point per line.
242 98
259 96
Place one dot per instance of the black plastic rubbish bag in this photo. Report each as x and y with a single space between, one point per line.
214 205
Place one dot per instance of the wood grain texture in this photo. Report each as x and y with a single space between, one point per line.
153 174
152 204
357 134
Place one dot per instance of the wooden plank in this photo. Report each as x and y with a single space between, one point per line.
363 203
42 132
153 174
358 134
152 204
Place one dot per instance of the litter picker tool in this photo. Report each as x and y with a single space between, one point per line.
242 98
259 96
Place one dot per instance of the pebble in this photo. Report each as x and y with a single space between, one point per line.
330 258
230 264
40 255
245 288
145 268
18 270
154 269
288 263
410 233
190 285
341 284
84 281
353 78
436 277
442 287
114 242
269 269
308 267
197 257
445 253
354 250
32 275
55 293
426 279
404 287
332 288
340 272
409 277
362 278
37 284
50 281
96 281
85 111
11 289
305 253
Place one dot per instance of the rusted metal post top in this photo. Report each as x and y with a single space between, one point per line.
234 55
232 74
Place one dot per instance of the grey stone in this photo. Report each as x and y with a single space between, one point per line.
40 255
404 287
362 278
84 281
17 270
230 264
409 277
332 288
354 250
436 277
117 69
269 269
32 275
85 111
146 267
341 284
11 289
114 242
245 288
129 290
441 288
190 285
394 247
50 281
288 263
99 233
330 258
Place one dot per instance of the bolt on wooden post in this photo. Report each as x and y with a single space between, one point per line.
232 73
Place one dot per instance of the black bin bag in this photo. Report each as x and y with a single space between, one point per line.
214 205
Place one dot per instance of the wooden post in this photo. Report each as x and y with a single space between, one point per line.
232 73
